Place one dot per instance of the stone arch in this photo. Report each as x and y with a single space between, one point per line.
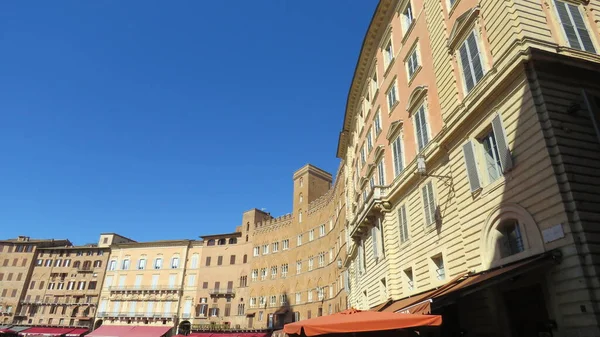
415 97
531 235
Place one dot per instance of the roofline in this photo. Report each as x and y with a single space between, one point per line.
341 151
215 236
119 235
152 243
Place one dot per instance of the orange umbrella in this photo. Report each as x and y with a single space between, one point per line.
353 320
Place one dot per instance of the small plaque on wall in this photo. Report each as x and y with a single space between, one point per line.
553 233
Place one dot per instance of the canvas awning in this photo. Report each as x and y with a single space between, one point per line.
466 284
110 331
77 332
19 328
45 331
353 320
147 331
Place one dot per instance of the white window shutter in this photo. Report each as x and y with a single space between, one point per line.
472 173
375 248
502 142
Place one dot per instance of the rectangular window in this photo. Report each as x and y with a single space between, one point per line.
421 128
388 54
377 122
310 263
256 251
380 174
275 247
397 155
219 260
412 63
410 283
286 244
374 83
142 264
392 96
369 140
403 222
363 156
265 249
298 267
208 261
311 235
232 259
284 270
471 62
428 203
194 263
299 240
263 274
322 230
440 271
407 18
254 275
574 27
492 157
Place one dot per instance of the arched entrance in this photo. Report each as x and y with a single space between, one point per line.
185 328
97 324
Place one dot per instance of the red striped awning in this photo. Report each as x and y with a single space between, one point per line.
110 331
77 332
45 331
147 331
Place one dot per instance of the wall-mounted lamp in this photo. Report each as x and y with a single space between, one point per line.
421 167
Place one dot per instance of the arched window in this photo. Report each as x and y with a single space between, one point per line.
245 258
509 240
222 242
247 226
211 242
158 263
246 237
97 264
301 197
300 216
301 182
232 241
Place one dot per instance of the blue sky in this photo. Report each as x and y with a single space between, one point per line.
166 120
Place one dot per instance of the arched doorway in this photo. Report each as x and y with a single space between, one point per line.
97 324
185 328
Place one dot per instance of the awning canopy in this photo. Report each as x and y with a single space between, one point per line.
147 331
77 332
19 328
466 284
110 331
46 331
353 320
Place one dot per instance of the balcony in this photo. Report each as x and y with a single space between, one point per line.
145 289
221 292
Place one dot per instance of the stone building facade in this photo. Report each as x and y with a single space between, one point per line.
470 140
17 258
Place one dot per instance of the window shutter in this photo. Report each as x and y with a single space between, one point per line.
584 36
464 60
403 224
563 14
472 174
475 57
502 142
374 236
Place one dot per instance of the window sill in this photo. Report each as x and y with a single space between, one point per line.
414 75
393 107
408 31
389 67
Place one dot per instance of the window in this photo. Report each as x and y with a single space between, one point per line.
298 298
275 247
208 260
274 272
402 221
510 239
388 54
377 122
374 84
142 264
300 216
392 96
369 140
273 300
410 284
310 263
301 197
283 299
175 262
299 240
574 27
320 293
194 263
298 267
252 302
380 173
363 156
219 260
438 263
254 275
471 62
377 240
286 244
397 154
421 128
407 18
263 274
412 63
92 285
496 157
245 259
311 235
321 259
428 203
310 295
322 230
125 264
158 263
284 270
232 259
265 249
256 251
240 310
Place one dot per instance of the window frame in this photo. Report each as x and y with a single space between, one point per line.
482 59
425 111
584 19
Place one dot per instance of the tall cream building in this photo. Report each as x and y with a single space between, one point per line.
470 149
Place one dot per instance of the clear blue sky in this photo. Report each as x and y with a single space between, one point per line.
166 120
